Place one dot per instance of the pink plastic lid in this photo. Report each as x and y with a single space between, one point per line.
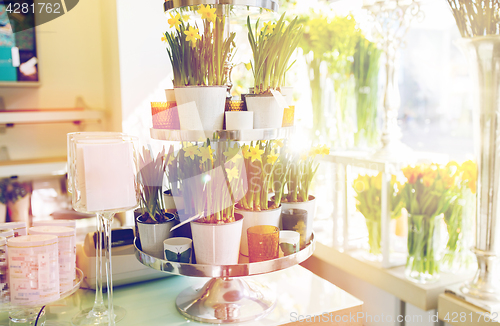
7 233
68 223
61 231
32 241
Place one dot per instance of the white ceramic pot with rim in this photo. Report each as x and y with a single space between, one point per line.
153 235
210 102
170 95
310 207
251 218
217 244
172 202
239 120
266 111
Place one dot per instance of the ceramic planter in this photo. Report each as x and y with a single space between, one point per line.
172 202
170 95
217 244
251 218
287 92
210 103
153 235
239 120
310 207
266 111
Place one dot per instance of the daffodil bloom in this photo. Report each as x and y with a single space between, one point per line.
255 153
205 153
232 174
268 28
164 38
171 158
278 143
248 66
192 35
185 18
174 21
232 153
325 150
191 151
207 13
245 149
271 159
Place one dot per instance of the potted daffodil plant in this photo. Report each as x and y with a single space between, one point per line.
154 223
199 62
303 167
262 160
272 47
211 183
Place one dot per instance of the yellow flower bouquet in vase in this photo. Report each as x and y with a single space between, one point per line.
369 203
427 195
459 219
199 62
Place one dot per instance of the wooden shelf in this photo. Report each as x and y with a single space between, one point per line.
33 167
391 280
13 117
451 309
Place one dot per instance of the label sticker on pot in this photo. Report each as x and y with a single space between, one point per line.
280 99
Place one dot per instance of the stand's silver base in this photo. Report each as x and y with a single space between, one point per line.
230 300
485 285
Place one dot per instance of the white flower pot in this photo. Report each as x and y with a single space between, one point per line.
287 92
210 103
266 111
153 235
217 244
3 212
173 202
310 207
170 95
251 218
239 120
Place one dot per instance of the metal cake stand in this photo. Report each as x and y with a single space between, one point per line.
226 297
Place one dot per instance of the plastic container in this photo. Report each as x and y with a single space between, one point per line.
18 227
33 269
4 269
67 252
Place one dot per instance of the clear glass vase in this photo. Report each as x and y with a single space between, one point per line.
459 219
374 239
424 248
483 54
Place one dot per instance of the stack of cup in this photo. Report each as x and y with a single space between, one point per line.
34 269
66 252
19 228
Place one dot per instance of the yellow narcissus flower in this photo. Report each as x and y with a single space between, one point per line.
174 21
255 153
232 174
207 13
303 156
268 28
361 183
325 150
248 66
469 169
377 181
171 158
232 153
190 151
185 18
192 35
412 173
245 149
271 159
164 38
315 151
205 153
278 143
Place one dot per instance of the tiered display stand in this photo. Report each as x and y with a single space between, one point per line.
226 297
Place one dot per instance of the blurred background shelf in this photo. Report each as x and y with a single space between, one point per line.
13 117
33 167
